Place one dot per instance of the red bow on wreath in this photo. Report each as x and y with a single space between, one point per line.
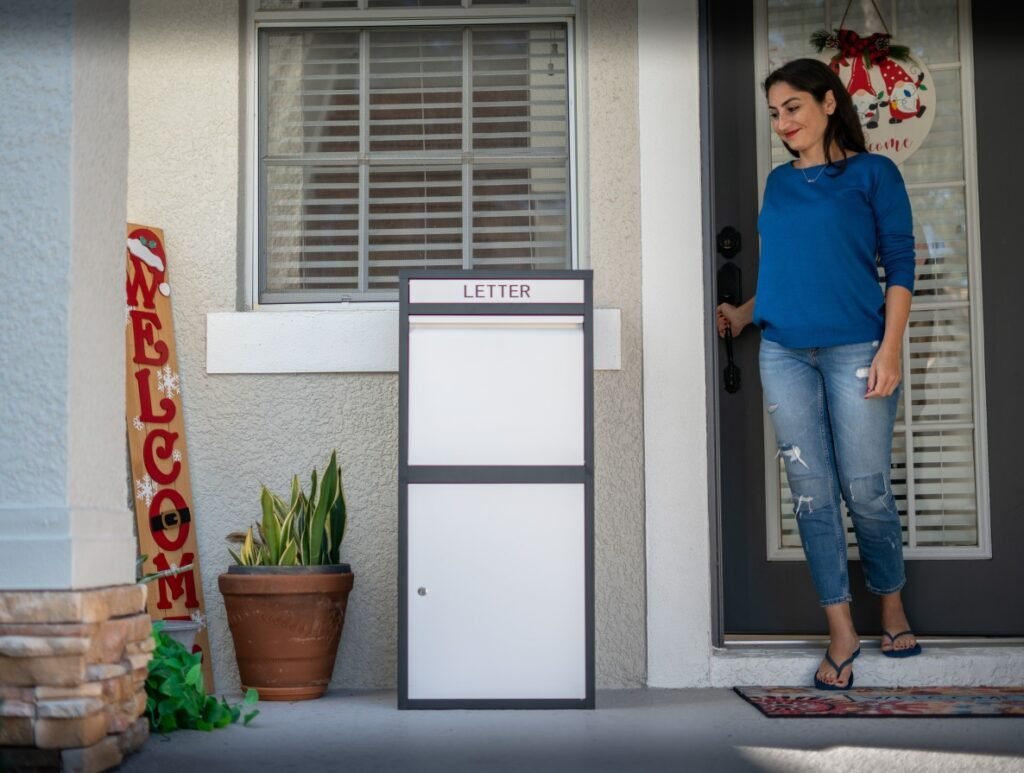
875 46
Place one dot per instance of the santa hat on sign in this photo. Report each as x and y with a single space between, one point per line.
904 101
138 246
863 92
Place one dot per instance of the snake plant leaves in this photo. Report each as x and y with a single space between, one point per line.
271 525
306 531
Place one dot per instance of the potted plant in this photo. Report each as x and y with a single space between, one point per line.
286 594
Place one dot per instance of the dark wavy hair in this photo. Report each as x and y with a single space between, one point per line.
817 78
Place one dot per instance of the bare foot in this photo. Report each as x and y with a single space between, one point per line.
894 621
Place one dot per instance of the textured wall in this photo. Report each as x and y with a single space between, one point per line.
614 242
184 177
96 435
35 141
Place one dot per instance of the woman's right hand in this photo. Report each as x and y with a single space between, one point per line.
733 318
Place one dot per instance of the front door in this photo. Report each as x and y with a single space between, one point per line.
954 451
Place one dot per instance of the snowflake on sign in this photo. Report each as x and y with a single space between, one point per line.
137 423
145 489
168 382
176 455
128 309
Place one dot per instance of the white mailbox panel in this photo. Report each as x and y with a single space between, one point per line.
496 591
496 390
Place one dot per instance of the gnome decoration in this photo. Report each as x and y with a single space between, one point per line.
896 110
863 92
904 91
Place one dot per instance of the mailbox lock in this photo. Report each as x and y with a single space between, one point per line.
422 591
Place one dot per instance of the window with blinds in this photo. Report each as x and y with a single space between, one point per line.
938 469
389 147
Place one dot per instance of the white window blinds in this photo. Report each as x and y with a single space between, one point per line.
382 148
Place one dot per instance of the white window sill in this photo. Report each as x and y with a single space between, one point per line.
339 341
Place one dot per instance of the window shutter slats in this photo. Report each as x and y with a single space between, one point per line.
939 353
520 89
365 173
941 244
311 228
415 221
312 93
415 87
519 217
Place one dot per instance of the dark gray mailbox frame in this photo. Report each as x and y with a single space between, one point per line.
470 687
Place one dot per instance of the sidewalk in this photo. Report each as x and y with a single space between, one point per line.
634 731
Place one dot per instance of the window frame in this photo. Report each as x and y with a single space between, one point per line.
572 14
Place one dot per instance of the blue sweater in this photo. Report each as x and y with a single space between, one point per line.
821 245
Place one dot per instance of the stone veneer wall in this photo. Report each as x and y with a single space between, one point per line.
73 668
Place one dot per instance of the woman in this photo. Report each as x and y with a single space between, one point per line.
830 345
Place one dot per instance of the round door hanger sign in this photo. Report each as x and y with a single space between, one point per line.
893 94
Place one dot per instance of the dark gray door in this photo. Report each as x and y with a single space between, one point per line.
965 597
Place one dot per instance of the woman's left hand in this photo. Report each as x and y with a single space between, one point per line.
885 374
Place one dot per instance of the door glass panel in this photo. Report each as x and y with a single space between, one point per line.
940 366
945 503
933 24
790 26
940 238
935 472
941 156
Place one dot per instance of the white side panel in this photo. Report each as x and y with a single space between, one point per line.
503 615
495 391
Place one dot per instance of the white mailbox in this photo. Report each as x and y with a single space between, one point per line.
496 490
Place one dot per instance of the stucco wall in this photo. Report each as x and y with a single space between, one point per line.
612 136
35 241
185 177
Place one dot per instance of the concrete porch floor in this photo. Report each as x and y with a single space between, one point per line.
631 730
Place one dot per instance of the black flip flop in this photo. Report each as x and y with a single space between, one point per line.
839 670
906 652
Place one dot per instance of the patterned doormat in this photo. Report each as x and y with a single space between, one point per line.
878 702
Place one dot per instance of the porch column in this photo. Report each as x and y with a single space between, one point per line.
74 633
674 329
64 520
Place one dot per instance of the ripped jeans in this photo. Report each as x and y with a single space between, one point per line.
834 442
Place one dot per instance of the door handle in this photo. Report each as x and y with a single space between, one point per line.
730 291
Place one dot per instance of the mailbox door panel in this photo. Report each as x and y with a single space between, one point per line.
496 391
496 591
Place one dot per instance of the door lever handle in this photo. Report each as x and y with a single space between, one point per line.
731 376
730 291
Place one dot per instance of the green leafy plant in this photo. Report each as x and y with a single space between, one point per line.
175 695
307 531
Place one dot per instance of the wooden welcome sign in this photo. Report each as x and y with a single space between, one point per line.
156 438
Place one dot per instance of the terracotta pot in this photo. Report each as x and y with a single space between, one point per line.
286 624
